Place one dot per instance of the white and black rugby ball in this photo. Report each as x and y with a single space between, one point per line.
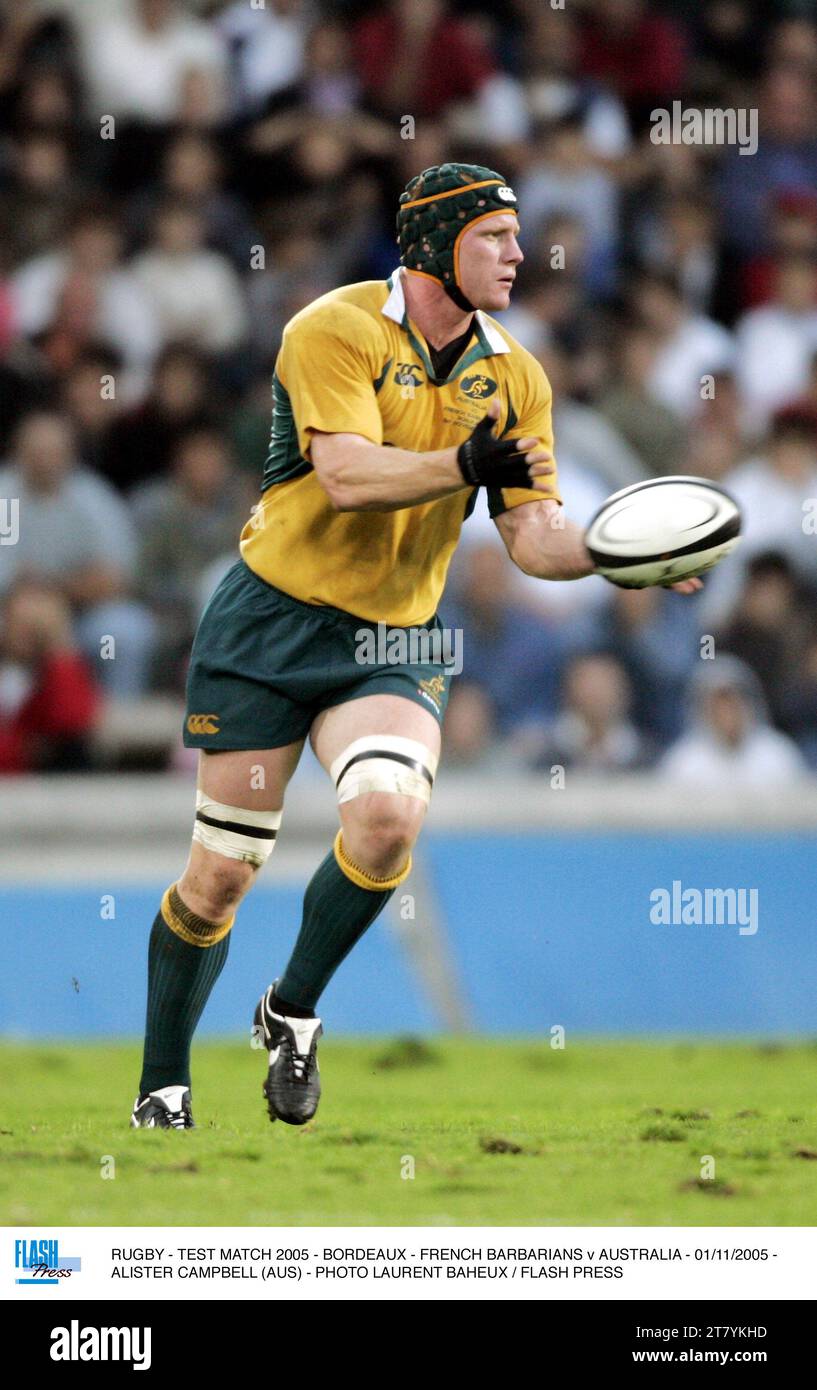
662 531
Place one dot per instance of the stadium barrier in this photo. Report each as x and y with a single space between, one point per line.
605 908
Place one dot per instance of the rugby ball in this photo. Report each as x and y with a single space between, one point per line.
662 531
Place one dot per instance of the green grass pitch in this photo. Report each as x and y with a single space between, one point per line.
607 1133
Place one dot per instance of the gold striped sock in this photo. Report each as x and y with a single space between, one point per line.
196 931
361 877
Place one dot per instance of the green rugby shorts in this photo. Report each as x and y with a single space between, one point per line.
264 665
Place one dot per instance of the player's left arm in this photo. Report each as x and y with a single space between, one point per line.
540 539
538 536
543 542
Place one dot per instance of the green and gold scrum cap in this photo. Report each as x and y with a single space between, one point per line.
435 210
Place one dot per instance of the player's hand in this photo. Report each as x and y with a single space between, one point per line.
686 586
485 461
683 586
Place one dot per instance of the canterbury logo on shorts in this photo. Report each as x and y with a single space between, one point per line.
202 723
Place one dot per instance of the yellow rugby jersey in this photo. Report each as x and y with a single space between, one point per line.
353 363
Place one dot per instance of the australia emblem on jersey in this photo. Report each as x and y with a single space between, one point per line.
433 690
408 374
478 387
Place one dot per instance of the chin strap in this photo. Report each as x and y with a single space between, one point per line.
454 292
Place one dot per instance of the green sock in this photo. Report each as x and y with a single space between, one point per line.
337 911
180 978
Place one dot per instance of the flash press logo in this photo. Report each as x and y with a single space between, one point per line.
75 1343
40 1262
707 907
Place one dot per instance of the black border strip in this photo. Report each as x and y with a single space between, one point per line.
252 830
386 753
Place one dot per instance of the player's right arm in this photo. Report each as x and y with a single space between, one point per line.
359 476
329 364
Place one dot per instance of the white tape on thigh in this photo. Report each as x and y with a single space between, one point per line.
384 763
234 831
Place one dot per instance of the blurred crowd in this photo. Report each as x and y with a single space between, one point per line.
178 179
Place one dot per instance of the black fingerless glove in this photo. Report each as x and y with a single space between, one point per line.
490 462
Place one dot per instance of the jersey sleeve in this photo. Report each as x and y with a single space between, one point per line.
328 365
533 422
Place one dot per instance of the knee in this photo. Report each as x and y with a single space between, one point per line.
379 830
215 886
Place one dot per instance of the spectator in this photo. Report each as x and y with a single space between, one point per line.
721 411
585 436
297 273
652 430
768 630
593 733
325 82
249 427
793 232
554 88
689 345
139 64
471 740
195 293
186 522
785 160
563 177
38 87
729 744
729 40
717 442
88 397
641 56
75 532
657 641
192 172
797 701
183 397
81 293
776 342
794 43
37 208
266 46
398 54
774 491
808 400
552 308
682 239
49 702
512 655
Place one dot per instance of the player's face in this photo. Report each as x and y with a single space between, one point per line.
489 255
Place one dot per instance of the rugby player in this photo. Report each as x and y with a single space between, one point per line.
394 403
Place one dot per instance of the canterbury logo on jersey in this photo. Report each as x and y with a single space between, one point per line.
202 723
408 374
478 387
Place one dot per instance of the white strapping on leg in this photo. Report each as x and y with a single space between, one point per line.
253 846
384 763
